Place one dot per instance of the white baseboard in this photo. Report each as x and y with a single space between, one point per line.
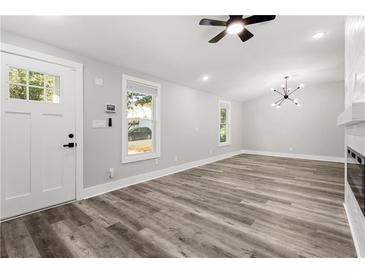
124 182
296 156
356 244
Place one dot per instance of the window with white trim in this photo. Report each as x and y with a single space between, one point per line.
140 119
224 123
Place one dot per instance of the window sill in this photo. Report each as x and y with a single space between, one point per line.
141 157
224 144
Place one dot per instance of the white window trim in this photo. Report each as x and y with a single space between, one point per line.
157 130
227 105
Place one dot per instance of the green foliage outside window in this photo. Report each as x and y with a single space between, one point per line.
223 126
41 87
138 99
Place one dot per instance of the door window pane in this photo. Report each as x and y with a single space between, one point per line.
17 76
39 86
50 81
52 89
36 94
36 79
17 92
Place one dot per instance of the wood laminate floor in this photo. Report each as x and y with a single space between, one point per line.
244 206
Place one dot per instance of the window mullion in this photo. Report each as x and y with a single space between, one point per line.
27 87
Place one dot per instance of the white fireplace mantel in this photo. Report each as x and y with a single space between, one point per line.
352 115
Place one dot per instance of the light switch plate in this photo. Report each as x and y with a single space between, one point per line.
98 123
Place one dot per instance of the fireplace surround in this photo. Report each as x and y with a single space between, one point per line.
356 176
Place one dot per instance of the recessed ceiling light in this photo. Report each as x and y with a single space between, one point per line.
235 28
205 78
318 35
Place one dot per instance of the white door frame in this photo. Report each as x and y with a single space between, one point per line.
78 68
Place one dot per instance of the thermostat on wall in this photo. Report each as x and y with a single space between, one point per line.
110 108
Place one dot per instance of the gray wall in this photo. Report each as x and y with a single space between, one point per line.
309 130
189 119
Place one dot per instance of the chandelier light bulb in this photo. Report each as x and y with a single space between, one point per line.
277 106
272 89
299 105
282 85
273 104
295 101
301 85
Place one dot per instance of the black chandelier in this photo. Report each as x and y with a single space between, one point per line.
286 95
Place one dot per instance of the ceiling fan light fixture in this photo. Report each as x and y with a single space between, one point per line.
236 24
235 27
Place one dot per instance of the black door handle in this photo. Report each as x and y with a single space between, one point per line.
69 145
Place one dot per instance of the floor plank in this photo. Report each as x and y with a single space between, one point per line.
244 206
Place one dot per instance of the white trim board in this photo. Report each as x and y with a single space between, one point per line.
78 68
349 220
295 156
356 220
133 180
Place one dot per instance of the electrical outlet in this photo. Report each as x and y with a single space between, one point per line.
111 173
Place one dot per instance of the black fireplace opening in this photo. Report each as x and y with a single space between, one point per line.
356 176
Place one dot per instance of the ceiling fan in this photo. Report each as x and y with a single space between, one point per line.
236 25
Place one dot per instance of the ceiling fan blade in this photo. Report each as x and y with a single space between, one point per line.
257 19
235 16
218 37
245 35
211 22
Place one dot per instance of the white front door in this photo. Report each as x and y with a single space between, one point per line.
37 120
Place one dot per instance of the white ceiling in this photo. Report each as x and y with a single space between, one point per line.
176 48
